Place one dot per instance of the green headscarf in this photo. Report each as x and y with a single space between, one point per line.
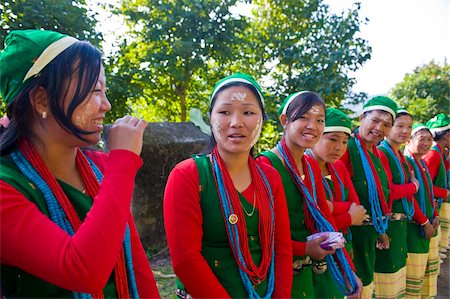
25 54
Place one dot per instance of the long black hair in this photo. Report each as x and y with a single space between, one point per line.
212 140
302 103
81 59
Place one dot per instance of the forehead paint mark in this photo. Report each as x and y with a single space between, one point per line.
238 96
217 129
256 133
81 121
386 117
315 109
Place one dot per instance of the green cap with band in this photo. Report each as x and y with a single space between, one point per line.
417 127
439 123
25 54
238 77
402 110
337 121
381 103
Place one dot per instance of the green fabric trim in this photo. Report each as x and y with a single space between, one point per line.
18 283
302 286
215 245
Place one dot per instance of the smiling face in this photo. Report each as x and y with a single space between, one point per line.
375 125
401 131
236 120
331 146
420 143
307 130
89 115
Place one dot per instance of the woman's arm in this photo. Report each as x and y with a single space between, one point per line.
283 245
145 280
183 222
82 262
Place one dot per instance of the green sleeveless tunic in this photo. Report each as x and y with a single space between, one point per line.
417 243
16 283
393 259
439 180
348 235
215 245
306 284
365 236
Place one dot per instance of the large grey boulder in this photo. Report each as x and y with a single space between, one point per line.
165 144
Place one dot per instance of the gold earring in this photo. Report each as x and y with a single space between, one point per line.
44 114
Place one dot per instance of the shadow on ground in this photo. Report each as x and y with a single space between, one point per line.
165 279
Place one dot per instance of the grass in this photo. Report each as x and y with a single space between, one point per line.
166 285
163 272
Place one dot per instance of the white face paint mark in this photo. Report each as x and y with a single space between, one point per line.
386 117
81 121
315 109
217 129
256 133
238 96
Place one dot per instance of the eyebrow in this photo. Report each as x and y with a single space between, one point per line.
229 104
307 112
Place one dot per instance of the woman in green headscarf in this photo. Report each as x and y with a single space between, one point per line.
65 224
303 118
225 215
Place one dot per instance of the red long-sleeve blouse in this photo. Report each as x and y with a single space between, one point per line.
83 262
183 223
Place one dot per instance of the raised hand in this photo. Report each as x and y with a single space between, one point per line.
127 133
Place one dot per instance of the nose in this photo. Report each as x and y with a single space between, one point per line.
106 105
312 124
236 120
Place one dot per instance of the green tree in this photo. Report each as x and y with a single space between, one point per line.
425 92
66 16
308 48
172 56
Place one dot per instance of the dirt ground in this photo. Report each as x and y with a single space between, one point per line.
165 279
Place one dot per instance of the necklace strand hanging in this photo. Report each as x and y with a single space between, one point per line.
435 147
376 195
424 184
408 206
234 220
64 215
340 269
254 206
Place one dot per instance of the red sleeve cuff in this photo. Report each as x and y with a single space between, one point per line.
298 248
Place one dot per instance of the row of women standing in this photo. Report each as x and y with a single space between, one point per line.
236 226
235 229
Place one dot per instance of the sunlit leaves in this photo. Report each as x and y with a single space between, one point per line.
426 91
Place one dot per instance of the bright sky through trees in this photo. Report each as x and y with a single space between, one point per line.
403 34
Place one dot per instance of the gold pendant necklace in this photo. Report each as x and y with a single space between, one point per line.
254 204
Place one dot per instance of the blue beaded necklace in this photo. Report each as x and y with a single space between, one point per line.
58 216
436 148
322 225
408 207
422 187
380 224
233 233
440 200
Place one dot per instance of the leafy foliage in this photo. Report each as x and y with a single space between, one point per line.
174 49
308 48
425 92
66 16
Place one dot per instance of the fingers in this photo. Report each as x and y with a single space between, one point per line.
131 120
127 133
